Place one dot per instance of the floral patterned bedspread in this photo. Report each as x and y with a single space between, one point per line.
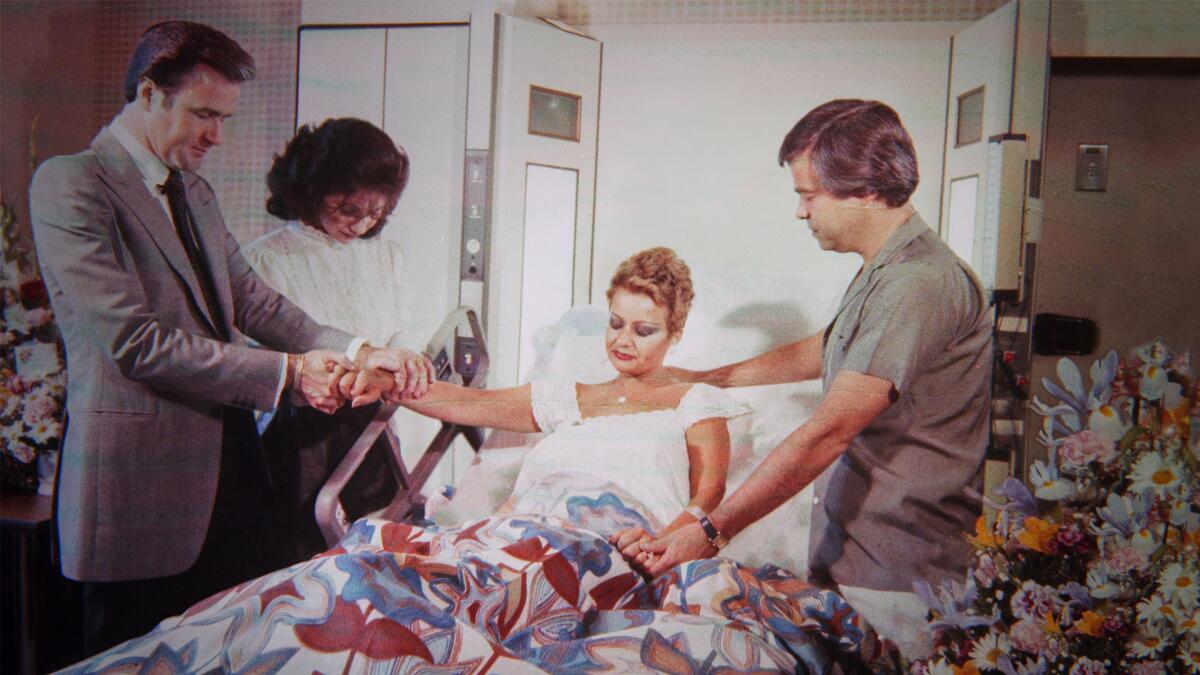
513 594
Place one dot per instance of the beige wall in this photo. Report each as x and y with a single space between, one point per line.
1128 257
692 116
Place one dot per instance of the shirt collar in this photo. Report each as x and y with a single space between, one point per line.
904 235
318 235
153 171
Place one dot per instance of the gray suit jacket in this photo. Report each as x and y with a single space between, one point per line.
146 380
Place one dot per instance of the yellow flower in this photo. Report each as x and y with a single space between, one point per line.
1091 623
967 668
1052 626
984 538
1037 534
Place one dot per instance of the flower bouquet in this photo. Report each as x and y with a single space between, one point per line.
1092 566
32 378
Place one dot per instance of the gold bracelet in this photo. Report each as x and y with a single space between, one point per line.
299 372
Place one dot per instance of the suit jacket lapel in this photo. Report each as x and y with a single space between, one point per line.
120 173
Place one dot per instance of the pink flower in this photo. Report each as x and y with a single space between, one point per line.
1028 636
18 385
1072 538
1033 601
1148 668
1114 627
1127 559
1086 446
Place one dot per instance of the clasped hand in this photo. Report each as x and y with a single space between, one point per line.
327 379
652 556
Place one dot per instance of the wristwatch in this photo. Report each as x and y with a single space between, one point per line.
714 535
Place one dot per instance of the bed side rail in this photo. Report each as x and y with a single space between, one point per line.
456 358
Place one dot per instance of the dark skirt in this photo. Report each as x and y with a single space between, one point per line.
303 447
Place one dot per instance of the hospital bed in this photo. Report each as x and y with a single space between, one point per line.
529 594
735 315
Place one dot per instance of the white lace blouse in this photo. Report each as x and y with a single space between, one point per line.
356 286
644 455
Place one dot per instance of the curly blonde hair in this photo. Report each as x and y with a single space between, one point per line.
661 275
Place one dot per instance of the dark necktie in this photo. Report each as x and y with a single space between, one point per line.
181 213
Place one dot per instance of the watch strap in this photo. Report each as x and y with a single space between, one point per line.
714 535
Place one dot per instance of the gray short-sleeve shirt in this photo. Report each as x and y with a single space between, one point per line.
893 509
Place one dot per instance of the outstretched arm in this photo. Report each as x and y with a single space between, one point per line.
509 409
853 401
794 362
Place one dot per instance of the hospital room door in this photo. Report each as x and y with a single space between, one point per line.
991 201
546 108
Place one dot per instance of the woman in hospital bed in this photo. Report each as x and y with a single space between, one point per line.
653 447
539 586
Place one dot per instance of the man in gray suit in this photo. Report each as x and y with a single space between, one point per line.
163 494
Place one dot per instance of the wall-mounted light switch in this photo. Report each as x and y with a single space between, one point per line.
1091 168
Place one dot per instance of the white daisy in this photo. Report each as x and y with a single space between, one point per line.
1179 584
1152 471
45 431
1047 484
939 667
1155 611
1189 624
1153 383
1108 422
989 651
1182 516
1190 653
1099 584
1147 645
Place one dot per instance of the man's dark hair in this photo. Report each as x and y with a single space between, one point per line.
168 52
341 156
857 149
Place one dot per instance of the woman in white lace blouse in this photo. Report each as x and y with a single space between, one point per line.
656 445
334 185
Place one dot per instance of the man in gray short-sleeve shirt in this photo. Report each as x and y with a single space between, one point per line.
901 432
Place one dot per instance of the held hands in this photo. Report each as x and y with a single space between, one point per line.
314 377
630 542
393 374
679 546
326 379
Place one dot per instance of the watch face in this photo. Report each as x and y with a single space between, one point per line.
719 541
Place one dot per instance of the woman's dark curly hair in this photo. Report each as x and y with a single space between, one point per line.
341 156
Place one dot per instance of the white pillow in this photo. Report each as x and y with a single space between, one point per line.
735 315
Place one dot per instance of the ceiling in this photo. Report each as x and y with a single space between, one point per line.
600 12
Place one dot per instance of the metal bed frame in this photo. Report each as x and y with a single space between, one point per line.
455 359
